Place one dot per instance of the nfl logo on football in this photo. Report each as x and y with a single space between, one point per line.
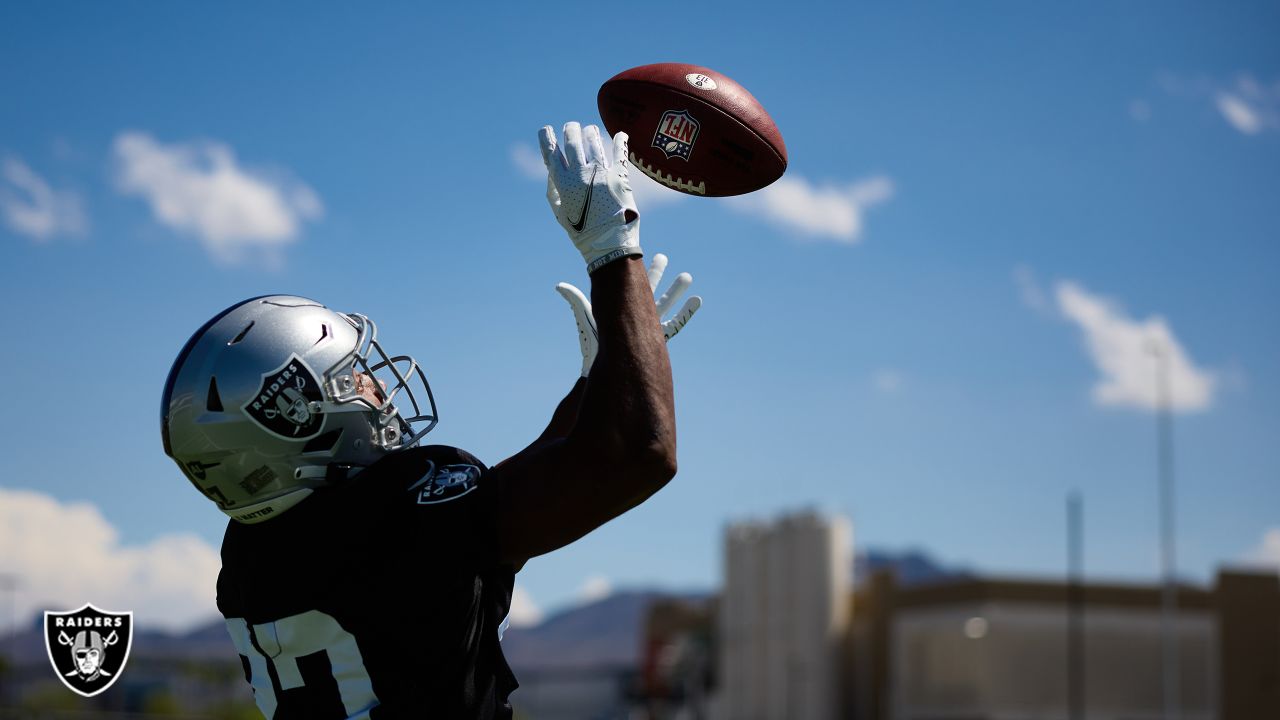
88 647
677 132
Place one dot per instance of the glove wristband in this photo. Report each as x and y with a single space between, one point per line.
615 254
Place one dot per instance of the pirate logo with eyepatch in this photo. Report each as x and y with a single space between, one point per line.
288 403
88 647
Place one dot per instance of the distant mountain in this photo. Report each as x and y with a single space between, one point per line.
606 632
912 567
602 633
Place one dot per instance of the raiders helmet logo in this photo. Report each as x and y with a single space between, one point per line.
445 482
88 647
284 403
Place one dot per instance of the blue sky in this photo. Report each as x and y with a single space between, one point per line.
933 324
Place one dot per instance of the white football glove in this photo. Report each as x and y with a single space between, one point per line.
588 338
590 196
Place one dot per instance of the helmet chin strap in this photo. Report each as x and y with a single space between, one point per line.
333 473
267 509
338 473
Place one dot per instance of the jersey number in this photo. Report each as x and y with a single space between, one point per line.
304 666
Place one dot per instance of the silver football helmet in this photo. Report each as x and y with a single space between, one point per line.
278 395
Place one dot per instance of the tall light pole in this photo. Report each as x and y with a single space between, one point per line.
8 689
1075 607
1168 564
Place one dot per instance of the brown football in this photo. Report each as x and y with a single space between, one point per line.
693 129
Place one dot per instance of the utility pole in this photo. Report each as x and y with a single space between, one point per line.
8 683
1075 607
1168 563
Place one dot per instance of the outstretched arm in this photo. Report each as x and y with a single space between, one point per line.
566 414
563 419
622 447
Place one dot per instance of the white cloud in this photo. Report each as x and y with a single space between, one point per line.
66 554
524 612
596 587
887 381
833 212
33 208
1029 288
1247 105
1239 113
1267 552
1123 349
198 188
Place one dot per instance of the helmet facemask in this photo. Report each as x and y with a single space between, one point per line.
393 430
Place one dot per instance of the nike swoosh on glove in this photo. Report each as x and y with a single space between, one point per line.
591 196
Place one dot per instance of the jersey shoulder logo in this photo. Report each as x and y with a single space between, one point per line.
442 483
287 404
88 647
677 132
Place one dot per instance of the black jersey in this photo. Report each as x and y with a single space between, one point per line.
378 598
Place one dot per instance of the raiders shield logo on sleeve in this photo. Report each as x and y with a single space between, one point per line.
442 483
284 403
88 647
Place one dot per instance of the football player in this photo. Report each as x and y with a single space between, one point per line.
364 574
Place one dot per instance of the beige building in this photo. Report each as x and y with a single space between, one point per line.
787 644
783 617
996 649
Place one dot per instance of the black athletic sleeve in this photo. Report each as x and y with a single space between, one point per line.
451 503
